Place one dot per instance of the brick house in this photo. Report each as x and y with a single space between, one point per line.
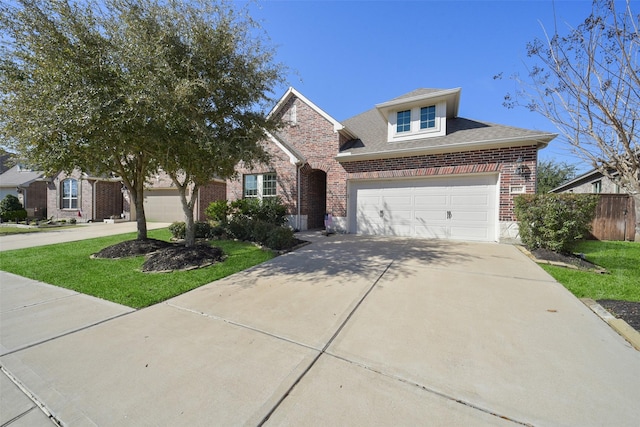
28 186
162 200
83 197
408 167
88 198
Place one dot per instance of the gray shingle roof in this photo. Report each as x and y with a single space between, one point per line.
16 176
371 129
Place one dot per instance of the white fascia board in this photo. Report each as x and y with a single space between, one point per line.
419 98
337 126
542 141
293 159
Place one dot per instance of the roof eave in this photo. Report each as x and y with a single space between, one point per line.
541 141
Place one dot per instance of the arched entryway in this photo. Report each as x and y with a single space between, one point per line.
316 198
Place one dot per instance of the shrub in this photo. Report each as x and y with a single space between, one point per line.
179 230
16 215
218 211
239 227
218 232
260 231
280 238
554 221
11 209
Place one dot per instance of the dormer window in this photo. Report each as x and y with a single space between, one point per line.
421 114
420 121
428 117
403 121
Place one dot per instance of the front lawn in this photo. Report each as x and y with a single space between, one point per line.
621 259
120 280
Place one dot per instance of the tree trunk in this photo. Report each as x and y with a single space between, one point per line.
187 208
137 194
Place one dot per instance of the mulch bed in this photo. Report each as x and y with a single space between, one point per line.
164 256
575 260
625 310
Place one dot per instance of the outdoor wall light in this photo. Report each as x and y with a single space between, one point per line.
519 166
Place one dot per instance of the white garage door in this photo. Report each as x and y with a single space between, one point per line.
461 208
163 206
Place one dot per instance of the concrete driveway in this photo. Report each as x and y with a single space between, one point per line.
346 331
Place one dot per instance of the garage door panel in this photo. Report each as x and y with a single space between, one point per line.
434 201
163 206
470 233
477 200
443 207
431 231
477 216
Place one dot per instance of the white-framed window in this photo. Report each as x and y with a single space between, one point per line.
419 121
428 117
596 187
260 185
69 198
403 121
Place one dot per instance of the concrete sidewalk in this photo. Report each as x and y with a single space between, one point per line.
346 331
80 232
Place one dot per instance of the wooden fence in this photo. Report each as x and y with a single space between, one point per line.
615 218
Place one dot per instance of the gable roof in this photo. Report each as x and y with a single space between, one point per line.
461 134
422 95
579 180
18 176
291 92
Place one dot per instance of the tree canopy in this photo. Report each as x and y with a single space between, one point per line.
134 86
587 83
550 174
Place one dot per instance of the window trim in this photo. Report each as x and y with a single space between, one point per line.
406 125
415 129
70 198
596 187
260 185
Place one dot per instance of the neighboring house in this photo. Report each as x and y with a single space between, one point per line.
590 182
28 186
162 200
596 183
407 167
81 196
85 197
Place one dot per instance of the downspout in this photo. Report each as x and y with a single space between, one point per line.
298 166
94 206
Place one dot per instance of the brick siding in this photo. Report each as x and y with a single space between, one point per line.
314 137
498 160
212 192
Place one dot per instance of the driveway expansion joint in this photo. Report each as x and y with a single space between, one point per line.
429 390
326 346
241 325
37 404
64 334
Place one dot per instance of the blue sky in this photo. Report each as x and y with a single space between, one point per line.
347 56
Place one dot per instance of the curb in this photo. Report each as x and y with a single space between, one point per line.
618 325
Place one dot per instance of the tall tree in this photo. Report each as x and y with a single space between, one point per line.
133 86
72 97
587 83
212 75
550 174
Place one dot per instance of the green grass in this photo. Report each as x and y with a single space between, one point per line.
68 265
621 259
